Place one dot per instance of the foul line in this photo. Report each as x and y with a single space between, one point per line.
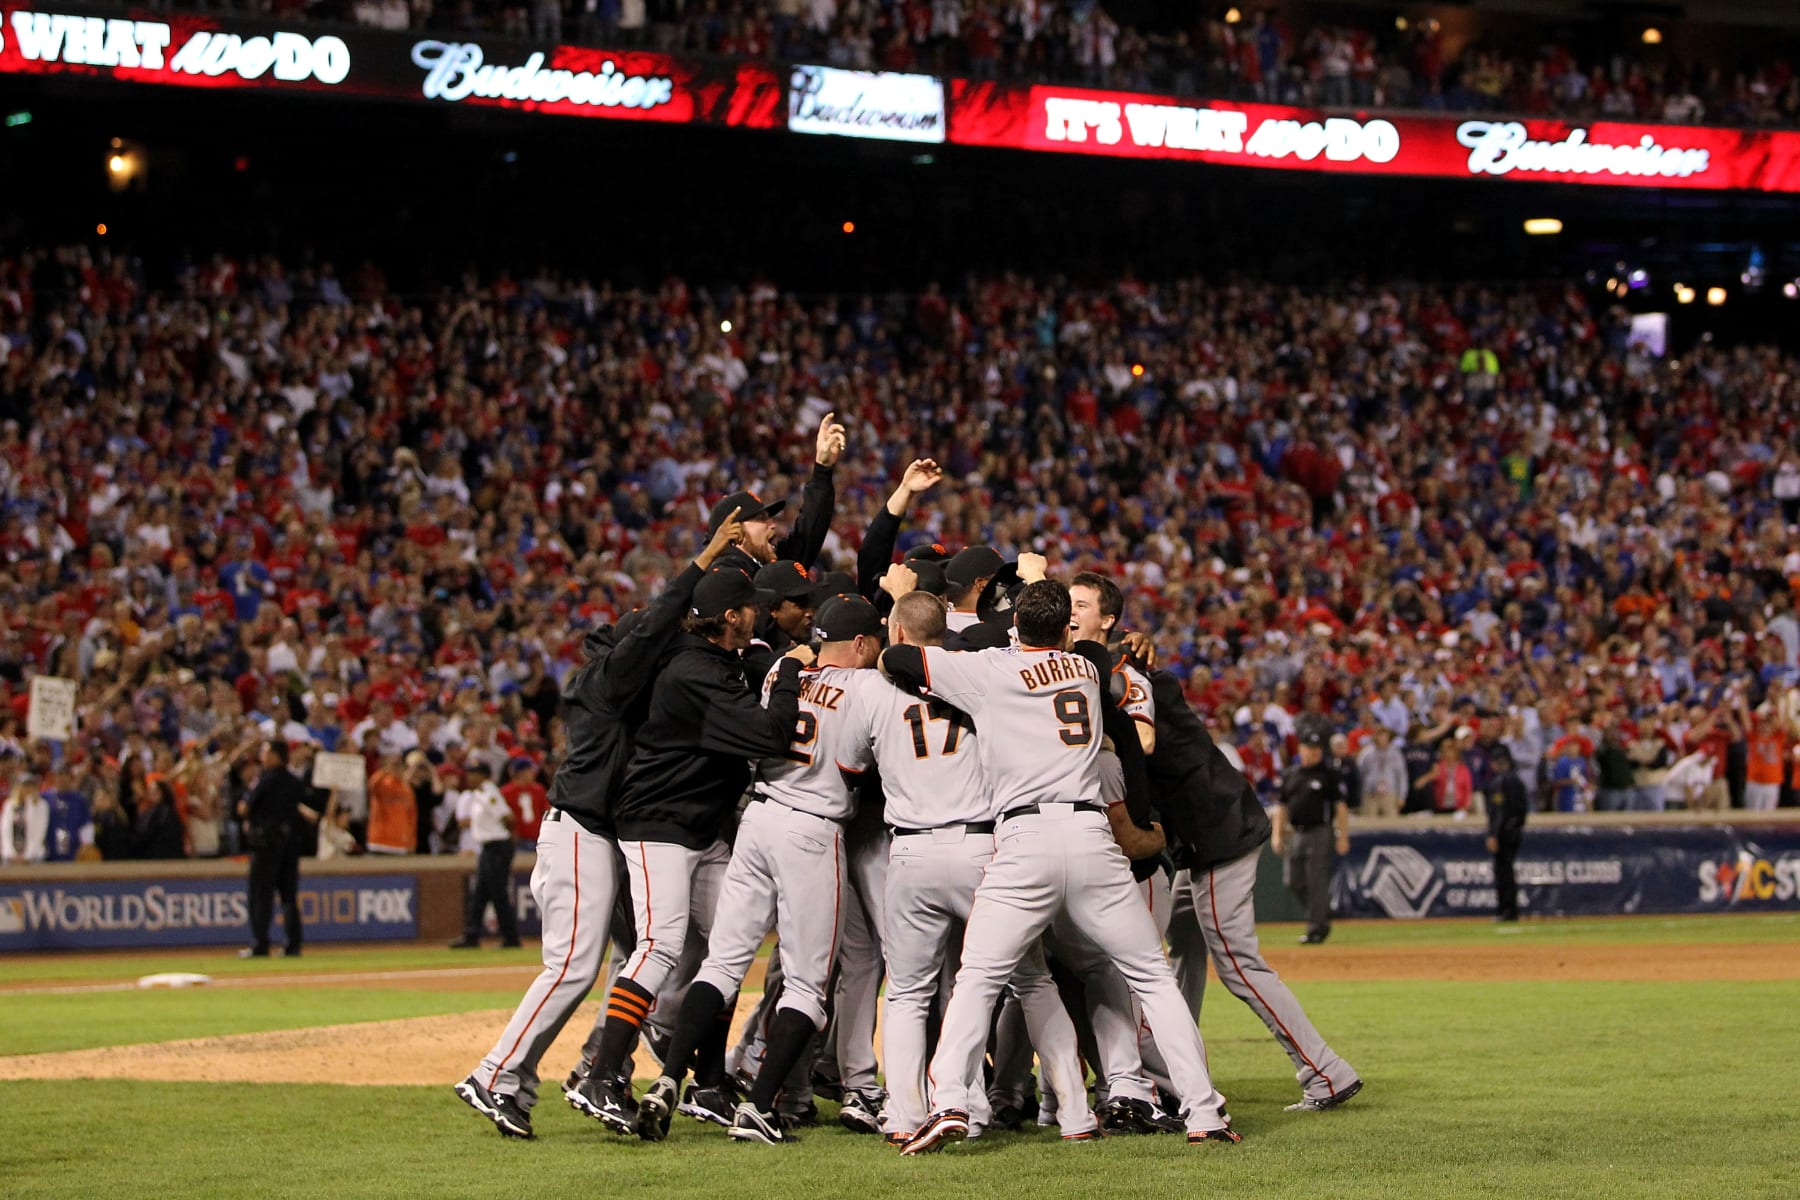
276 980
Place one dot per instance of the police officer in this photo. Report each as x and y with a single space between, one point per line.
1506 827
273 813
1313 806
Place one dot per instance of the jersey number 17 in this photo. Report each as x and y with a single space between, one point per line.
919 715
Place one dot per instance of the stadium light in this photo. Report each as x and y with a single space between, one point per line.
849 226
1233 16
100 229
724 326
1543 226
1715 296
1791 289
1400 24
1653 36
1684 294
117 164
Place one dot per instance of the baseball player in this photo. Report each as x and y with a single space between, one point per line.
1219 826
690 765
1044 712
942 813
604 701
787 871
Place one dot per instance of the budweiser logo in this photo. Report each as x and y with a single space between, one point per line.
457 70
1502 147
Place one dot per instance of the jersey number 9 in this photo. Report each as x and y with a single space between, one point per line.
1072 711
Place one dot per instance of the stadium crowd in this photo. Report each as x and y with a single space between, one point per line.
272 501
1249 53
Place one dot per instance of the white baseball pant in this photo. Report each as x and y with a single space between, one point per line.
787 873
673 890
1063 859
573 884
931 885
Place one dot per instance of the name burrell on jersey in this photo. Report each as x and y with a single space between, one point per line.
1064 668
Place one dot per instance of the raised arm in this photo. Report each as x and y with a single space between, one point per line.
634 658
818 501
877 551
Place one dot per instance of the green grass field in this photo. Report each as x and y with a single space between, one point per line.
1502 1089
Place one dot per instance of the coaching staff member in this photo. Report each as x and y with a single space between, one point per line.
275 814
1313 802
1506 828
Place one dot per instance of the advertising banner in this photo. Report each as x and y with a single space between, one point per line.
866 104
189 50
99 914
1130 125
1574 871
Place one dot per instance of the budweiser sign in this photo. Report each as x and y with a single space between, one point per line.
459 70
1502 147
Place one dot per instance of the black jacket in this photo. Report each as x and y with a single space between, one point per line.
274 805
692 760
1506 812
807 535
875 556
607 698
1209 811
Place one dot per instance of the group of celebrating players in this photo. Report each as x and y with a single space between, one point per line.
951 772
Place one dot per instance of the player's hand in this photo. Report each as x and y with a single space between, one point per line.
1032 567
1278 841
1493 844
1140 646
729 533
1343 843
831 441
923 475
801 654
900 580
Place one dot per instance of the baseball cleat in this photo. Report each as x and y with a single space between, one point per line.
1090 1135
504 1111
600 1098
1322 1104
572 1084
715 1104
804 1115
1126 1115
655 1108
951 1125
1008 1115
860 1113
1225 1136
896 1140
750 1125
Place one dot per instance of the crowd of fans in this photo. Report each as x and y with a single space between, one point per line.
269 501
1249 53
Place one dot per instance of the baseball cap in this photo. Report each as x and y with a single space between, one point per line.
749 506
1315 737
833 583
841 618
930 574
725 588
787 579
972 563
931 552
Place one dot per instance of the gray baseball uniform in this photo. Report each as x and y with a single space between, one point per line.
942 813
1054 854
787 870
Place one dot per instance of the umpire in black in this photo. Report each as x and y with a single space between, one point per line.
275 815
1313 805
1506 828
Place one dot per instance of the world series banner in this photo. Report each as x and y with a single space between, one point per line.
100 914
1574 871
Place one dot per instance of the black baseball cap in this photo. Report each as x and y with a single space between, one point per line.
844 617
972 563
787 579
931 552
833 583
930 576
1316 737
749 505
725 588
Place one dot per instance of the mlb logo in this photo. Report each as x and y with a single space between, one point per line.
12 914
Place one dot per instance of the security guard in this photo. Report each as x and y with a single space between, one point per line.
1313 803
1506 827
